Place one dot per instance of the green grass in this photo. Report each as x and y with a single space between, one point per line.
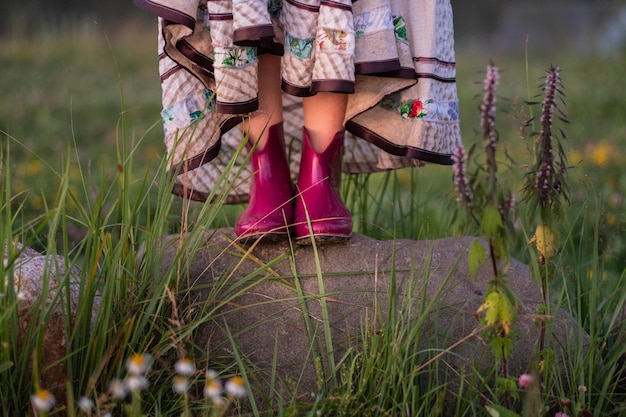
82 176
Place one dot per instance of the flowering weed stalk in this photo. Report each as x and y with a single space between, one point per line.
545 190
492 209
545 186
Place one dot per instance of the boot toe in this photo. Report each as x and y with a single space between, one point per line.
271 227
329 230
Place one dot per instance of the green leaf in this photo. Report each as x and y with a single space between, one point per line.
500 248
507 386
506 313
490 307
501 346
475 257
499 411
491 221
498 311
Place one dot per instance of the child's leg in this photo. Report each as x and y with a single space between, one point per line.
269 210
270 110
323 117
318 200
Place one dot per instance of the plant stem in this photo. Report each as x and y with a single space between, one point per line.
505 374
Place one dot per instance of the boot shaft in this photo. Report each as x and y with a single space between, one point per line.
270 161
318 201
270 205
324 166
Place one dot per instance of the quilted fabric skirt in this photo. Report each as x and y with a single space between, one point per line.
394 58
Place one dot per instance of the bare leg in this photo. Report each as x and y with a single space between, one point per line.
270 110
319 213
270 209
323 117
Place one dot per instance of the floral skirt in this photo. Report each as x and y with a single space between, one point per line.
394 59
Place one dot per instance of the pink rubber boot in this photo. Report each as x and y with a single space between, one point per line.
318 198
270 208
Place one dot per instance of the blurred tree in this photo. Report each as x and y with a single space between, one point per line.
479 16
28 17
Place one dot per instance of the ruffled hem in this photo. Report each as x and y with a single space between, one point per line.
395 59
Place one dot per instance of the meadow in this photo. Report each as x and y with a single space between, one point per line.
81 175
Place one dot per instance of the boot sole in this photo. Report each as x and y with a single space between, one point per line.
321 240
263 237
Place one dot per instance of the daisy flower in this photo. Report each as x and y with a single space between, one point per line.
43 400
117 389
185 367
134 383
235 387
139 364
85 405
180 384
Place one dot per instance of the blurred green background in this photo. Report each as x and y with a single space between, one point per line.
78 76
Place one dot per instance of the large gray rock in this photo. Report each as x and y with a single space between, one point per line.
265 295
43 287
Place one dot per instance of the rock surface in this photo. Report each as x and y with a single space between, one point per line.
34 276
272 288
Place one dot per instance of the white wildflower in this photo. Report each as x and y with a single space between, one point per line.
139 364
180 384
134 383
43 400
117 389
85 404
235 387
185 367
